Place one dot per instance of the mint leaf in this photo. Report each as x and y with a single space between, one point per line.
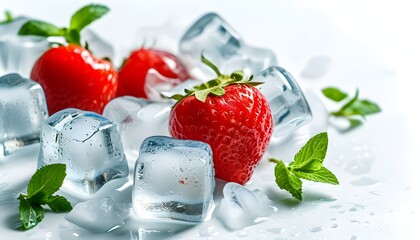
288 181
334 94
307 165
322 175
366 107
9 18
30 214
59 204
86 15
315 148
46 181
40 28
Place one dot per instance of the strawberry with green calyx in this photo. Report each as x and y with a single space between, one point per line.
229 114
70 75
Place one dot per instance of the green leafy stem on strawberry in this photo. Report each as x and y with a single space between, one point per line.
215 86
82 18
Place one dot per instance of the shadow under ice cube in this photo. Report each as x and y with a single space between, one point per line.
173 179
212 36
22 111
88 144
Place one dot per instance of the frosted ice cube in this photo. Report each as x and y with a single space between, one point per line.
96 215
173 179
88 144
138 119
219 42
22 111
242 207
288 104
19 53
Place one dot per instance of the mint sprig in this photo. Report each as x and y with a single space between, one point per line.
43 184
215 86
9 18
83 17
307 164
354 109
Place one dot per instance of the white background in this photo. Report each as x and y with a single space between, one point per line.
373 45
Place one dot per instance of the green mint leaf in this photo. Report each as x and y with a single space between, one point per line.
307 165
30 214
315 148
46 181
87 15
40 28
334 94
322 175
9 18
59 204
286 180
366 107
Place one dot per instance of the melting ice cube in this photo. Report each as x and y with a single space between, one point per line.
242 207
138 119
219 42
22 111
173 179
88 144
96 215
288 104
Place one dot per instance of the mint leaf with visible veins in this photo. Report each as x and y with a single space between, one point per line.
334 94
45 182
307 165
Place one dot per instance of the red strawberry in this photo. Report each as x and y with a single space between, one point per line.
70 75
232 116
132 74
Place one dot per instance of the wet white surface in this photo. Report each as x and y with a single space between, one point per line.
350 45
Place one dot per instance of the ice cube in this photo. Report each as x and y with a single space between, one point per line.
22 111
219 42
88 144
288 104
19 53
241 207
173 179
138 119
96 215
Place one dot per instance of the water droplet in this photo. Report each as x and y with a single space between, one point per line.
276 230
241 234
336 206
316 229
353 209
334 225
354 237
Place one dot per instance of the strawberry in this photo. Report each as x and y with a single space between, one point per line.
132 74
70 75
229 114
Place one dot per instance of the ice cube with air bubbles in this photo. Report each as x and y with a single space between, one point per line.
173 179
96 215
23 110
241 207
90 146
19 53
212 36
137 119
287 102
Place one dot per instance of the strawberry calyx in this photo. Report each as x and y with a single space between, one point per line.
82 18
216 86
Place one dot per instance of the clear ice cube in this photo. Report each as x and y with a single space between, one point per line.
173 179
96 215
19 53
137 119
287 102
22 111
241 207
219 42
89 144
156 83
